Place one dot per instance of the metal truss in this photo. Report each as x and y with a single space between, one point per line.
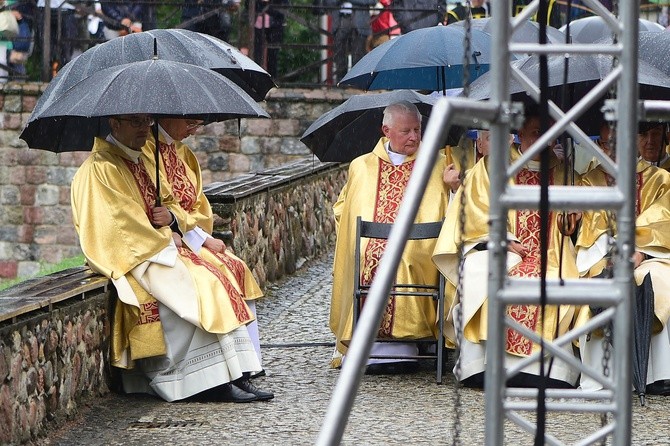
500 115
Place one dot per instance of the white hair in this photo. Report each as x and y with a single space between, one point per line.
400 107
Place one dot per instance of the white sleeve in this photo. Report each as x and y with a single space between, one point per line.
195 238
588 257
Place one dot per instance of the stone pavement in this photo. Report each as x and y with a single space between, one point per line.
389 410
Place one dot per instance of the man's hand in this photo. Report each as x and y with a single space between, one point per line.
177 239
517 248
160 216
215 244
450 176
638 258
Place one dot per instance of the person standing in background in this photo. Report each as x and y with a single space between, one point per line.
213 18
351 28
268 31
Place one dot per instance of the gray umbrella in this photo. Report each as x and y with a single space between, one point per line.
156 87
177 45
354 127
592 29
527 32
584 72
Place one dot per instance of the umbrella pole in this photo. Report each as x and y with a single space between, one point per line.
157 156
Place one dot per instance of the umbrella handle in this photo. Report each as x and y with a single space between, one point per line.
157 160
567 224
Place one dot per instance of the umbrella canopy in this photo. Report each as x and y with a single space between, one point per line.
643 316
354 127
423 59
177 45
156 87
584 72
594 28
527 32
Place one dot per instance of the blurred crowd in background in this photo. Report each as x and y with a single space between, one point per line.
347 28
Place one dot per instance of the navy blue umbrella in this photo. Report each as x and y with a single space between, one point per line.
423 59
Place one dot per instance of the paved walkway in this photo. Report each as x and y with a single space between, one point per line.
389 410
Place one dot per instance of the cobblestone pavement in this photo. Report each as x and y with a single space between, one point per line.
389 410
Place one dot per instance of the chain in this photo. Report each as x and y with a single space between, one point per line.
467 45
607 330
458 317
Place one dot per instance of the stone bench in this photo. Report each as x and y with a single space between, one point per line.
54 330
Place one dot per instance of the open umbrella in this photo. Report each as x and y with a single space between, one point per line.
527 32
423 59
643 317
156 87
584 72
594 28
354 127
177 45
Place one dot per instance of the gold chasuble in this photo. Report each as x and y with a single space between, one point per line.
522 226
112 196
652 236
374 190
180 174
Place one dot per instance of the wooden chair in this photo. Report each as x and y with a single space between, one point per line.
419 231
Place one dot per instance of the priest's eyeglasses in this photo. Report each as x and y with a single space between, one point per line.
137 123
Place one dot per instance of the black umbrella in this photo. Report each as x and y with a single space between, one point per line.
177 45
424 59
643 318
594 28
354 127
584 72
527 32
156 87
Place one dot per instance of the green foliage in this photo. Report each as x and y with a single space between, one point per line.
292 59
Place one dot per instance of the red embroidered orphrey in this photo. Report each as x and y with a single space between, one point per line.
391 183
182 188
528 233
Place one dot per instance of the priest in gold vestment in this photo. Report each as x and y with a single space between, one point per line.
180 174
651 145
652 256
179 327
374 190
523 260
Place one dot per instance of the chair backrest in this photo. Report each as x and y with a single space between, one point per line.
419 231
371 229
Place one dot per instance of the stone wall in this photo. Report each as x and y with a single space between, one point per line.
278 219
35 222
51 362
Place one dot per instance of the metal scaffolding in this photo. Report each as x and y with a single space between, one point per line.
500 115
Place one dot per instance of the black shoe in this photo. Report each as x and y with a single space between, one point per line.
246 386
230 393
258 375
392 368
661 387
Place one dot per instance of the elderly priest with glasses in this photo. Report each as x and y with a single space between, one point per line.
179 326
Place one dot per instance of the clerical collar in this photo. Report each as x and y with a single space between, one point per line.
531 165
396 158
168 139
653 163
134 155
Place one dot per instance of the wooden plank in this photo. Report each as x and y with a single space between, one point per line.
42 292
